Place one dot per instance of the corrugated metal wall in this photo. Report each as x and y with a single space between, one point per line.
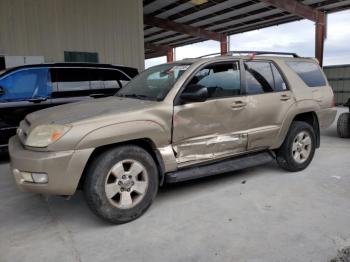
339 78
112 28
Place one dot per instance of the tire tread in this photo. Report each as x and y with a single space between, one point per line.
343 125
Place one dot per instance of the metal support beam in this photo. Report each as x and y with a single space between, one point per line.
154 54
320 34
160 50
296 8
181 28
170 55
157 50
224 45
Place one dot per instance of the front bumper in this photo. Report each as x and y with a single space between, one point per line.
64 169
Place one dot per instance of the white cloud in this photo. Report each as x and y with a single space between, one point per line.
298 37
155 61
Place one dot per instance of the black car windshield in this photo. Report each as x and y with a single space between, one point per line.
154 83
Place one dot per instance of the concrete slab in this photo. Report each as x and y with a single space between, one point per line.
274 216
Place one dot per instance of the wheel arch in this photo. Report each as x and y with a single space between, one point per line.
309 117
312 119
145 143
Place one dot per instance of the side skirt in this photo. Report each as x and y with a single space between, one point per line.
224 166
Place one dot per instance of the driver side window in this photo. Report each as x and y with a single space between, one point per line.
26 84
221 80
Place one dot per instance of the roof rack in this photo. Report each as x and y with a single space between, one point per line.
253 53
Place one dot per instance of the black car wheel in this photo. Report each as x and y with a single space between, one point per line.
343 125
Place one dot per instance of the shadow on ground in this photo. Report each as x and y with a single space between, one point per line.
76 207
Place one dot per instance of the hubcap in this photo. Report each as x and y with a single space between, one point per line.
301 148
126 184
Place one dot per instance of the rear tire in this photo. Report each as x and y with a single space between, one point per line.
343 125
298 148
121 184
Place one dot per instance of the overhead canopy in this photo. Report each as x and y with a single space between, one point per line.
174 23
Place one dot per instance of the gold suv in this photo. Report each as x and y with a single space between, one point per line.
175 122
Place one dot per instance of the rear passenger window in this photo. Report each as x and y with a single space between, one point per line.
263 77
71 79
280 85
259 77
111 78
309 72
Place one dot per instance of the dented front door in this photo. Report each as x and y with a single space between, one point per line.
213 129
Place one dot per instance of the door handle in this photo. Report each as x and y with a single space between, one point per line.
238 104
285 97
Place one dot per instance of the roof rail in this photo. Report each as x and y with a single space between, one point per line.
254 53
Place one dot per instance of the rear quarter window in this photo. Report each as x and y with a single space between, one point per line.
309 72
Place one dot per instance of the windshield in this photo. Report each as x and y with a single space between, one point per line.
154 83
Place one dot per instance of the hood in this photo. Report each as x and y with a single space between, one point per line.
86 110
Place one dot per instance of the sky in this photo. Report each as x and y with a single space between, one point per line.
297 37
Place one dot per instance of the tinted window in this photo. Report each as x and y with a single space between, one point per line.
72 79
259 77
309 72
280 85
123 82
111 78
221 80
263 77
26 84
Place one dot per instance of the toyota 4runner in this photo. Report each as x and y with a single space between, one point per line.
174 122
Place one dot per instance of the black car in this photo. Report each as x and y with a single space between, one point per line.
29 88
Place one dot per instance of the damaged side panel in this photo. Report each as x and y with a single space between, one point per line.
210 147
207 131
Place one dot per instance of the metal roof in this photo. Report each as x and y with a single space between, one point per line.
220 16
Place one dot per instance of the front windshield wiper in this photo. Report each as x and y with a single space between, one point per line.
143 97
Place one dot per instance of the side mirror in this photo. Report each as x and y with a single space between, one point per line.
199 94
2 91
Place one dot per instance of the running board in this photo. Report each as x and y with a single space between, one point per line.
227 165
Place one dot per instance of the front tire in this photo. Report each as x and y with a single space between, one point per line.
343 125
121 184
298 148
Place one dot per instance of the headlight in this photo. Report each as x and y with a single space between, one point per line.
42 136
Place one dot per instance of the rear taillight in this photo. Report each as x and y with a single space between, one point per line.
334 101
